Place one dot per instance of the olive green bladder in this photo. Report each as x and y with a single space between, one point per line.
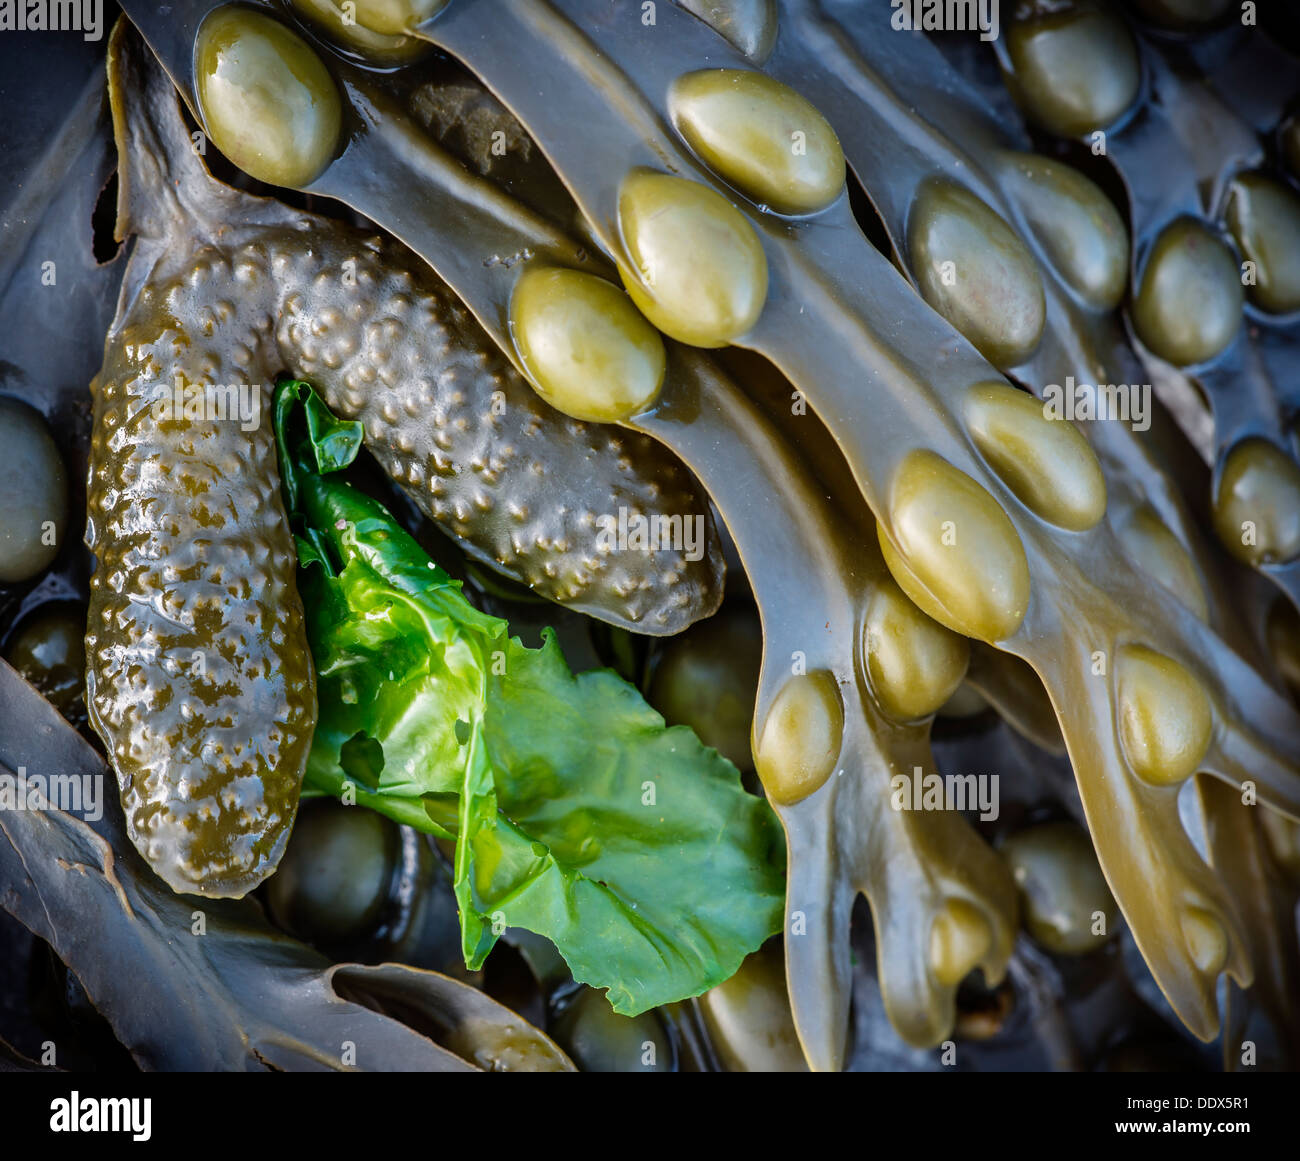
953 551
1064 901
915 664
598 1039
760 136
974 270
268 101
35 484
1077 224
800 739
1151 542
48 648
336 874
1257 503
377 30
1073 68
1046 463
707 678
1189 297
1264 217
1166 719
693 263
583 344
748 1017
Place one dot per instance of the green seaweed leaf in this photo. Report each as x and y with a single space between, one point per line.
577 813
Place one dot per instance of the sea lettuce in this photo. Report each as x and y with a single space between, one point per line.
576 813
